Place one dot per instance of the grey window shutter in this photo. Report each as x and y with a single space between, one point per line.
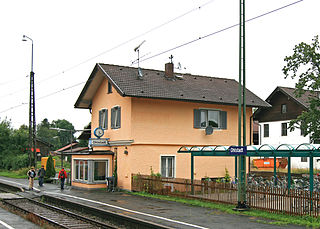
196 118
118 117
223 118
100 118
112 118
106 119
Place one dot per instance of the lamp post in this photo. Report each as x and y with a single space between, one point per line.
71 138
32 114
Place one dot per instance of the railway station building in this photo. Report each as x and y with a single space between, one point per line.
141 117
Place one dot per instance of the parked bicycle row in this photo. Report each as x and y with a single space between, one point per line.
299 183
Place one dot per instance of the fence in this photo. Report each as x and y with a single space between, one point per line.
293 202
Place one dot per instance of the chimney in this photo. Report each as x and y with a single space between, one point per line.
169 70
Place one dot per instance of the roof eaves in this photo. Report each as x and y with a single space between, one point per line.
197 101
112 81
85 88
293 97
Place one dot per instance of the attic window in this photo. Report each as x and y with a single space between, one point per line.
283 108
109 88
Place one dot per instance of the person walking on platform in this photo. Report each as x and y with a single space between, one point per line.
62 176
41 174
31 175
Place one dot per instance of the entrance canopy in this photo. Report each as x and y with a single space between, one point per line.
266 150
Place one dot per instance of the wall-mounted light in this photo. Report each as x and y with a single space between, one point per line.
126 150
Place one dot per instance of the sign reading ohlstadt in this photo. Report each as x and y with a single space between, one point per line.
238 150
99 141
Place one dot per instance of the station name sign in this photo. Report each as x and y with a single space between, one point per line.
99 141
237 150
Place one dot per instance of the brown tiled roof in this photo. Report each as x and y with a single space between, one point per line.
154 84
67 147
86 134
303 100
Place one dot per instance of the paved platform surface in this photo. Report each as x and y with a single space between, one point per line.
9 220
171 214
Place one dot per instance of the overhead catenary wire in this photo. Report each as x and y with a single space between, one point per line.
179 46
111 49
219 31
45 96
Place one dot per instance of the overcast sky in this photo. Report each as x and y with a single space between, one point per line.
71 36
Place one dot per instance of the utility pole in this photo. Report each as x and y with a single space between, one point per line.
32 112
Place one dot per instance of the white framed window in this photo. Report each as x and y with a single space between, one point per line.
103 118
304 159
206 117
90 170
265 130
116 117
284 129
100 170
168 166
81 170
283 108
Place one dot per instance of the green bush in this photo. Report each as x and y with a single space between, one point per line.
22 171
14 162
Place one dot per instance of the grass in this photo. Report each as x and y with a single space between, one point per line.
262 216
19 174
22 173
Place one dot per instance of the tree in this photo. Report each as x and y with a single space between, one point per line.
50 170
57 138
304 63
46 134
64 136
13 146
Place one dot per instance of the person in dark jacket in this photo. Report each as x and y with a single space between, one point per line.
62 176
41 174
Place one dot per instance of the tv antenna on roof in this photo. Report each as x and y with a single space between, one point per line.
137 49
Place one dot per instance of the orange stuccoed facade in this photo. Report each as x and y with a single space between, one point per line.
153 128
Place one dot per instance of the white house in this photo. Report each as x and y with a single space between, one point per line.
274 122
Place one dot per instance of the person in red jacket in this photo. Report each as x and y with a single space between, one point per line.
62 176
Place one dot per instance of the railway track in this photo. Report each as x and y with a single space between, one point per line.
54 216
53 212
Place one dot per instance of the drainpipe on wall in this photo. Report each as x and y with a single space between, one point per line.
251 137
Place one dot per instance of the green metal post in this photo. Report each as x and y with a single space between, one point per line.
242 100
244 121
275 170
236 166
192 173
289 173
311 173
311 180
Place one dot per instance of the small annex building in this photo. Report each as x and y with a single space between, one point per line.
141 117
